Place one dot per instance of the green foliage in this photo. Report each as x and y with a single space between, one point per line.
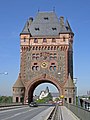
57 99
89 97
76 100
5 99
45 99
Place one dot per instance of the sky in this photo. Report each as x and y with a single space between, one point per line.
14 14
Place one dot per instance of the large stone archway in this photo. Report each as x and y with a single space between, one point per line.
46 56
37 81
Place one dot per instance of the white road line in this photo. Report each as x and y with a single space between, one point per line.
18 114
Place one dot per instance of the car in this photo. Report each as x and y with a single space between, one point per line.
33 104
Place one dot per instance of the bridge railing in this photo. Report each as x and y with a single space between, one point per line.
78 111
10 104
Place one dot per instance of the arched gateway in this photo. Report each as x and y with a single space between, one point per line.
46 56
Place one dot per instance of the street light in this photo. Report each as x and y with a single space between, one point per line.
75 94
4 73
75 80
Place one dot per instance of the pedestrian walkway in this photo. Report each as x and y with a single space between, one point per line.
67 114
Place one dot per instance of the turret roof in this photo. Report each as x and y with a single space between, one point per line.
18 83
70 82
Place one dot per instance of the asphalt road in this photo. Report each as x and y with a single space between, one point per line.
24 113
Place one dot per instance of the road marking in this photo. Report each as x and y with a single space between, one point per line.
18 114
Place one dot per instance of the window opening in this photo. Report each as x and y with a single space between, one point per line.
24 39
35 40
54 28
44 40
46 18
53 40
37 29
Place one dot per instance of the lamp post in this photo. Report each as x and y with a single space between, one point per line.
75 82
62 97
4 73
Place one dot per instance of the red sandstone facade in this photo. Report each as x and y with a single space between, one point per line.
46 56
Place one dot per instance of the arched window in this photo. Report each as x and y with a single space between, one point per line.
52 67
35 67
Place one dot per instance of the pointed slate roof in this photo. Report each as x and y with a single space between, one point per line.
18 83
46 24
69 82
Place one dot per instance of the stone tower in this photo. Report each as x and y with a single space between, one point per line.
46 50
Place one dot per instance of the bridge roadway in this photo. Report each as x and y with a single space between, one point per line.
24 113
35 113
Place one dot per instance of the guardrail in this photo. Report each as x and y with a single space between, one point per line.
10 104
78 111
55 114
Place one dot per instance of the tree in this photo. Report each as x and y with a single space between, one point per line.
45 99
5 99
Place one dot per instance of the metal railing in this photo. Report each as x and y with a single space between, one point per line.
10 104
56 114
81 113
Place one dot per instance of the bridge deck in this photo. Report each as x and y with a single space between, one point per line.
67 114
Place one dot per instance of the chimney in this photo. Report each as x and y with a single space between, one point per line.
30 21
62 21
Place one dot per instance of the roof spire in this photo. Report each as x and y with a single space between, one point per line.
54 9
38 10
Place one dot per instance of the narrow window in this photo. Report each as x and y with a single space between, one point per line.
37 68
54 68
33 56
55 55
63 38
70 100
24 39
50 68
33 68
37 55
53 40
35 40
44 40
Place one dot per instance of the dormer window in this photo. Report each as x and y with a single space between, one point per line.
37 29
54 28
45 18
